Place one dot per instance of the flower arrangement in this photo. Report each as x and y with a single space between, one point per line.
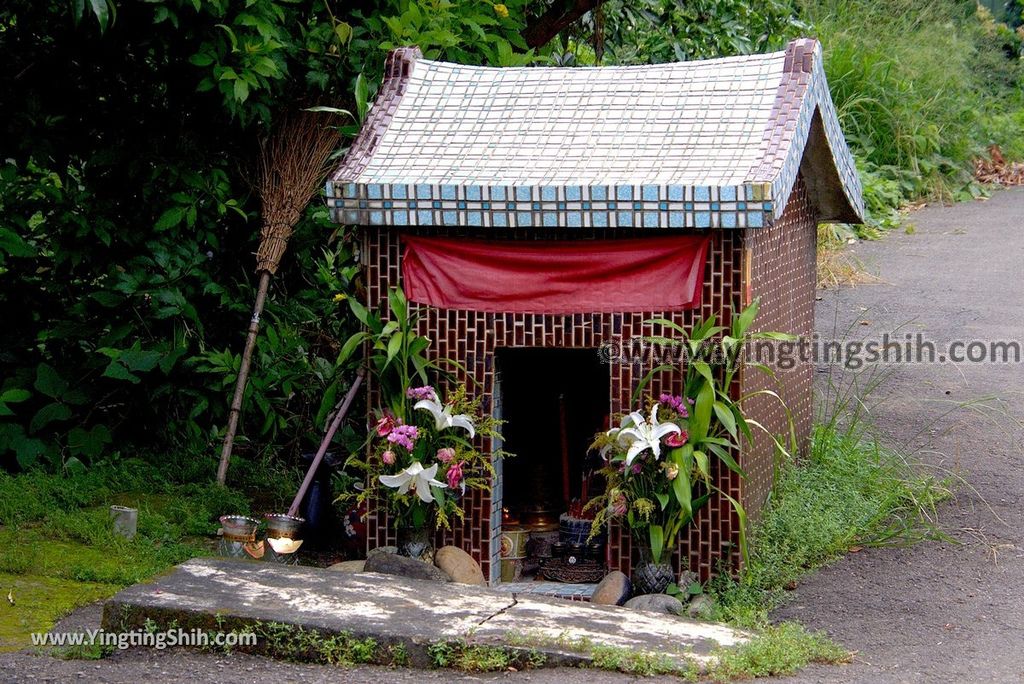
423 467
659 462
419 458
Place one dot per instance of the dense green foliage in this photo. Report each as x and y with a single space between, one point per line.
126 219
649 31
922 88
127 223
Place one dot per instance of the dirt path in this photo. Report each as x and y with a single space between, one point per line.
936 612
939 612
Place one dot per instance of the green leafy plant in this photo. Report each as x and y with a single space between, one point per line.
421 457
660 470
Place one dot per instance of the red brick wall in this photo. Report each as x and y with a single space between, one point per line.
472 338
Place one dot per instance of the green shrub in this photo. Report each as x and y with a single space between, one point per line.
921 88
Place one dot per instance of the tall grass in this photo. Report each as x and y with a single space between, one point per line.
921 88
850 490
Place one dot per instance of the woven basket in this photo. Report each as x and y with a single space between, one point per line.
564 570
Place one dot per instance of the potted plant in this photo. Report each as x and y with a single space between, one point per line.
420 457
660 460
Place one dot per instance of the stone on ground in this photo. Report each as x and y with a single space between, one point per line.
459 565
209 592
393 564
613 590
700 607
348 566
656 603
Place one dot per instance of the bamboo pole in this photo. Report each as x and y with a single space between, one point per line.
243 378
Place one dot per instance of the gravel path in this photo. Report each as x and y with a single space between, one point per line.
935 612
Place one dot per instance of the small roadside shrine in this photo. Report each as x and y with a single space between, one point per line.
536 217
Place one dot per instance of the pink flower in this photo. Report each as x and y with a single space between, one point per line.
420 393
675 440
619 505
385 425
636 468
404 436
675 403
388 457
455 475
445 455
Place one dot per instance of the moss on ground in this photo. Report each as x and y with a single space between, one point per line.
39 602
60 550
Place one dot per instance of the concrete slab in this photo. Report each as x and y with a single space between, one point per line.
229 594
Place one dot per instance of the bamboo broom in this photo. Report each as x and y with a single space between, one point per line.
294 162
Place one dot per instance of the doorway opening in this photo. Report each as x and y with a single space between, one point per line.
553 402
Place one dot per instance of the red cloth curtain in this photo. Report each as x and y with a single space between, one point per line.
556 277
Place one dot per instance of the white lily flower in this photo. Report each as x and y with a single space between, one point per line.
443 417
643 434
415 477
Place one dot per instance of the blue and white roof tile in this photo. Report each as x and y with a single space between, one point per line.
706 144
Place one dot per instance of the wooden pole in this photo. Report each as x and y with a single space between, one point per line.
243 378
339 415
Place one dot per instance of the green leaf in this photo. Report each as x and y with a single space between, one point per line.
331 110
170 218
705 370
776 336
741 515
15 396
139 360
394 346
343 31
27 450
231 36
241 90
701 419
89 442
657 537
681 486
723 455
662 498
102 12
725 416
14 245
396 300
362 96
51 413
351 344
108 299
743 322
703 465
201 59
49 382
668 324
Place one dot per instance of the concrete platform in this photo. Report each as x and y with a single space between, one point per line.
229 594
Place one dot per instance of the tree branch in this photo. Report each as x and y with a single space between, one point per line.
558 17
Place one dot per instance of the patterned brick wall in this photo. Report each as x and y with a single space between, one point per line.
782 273
473 337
